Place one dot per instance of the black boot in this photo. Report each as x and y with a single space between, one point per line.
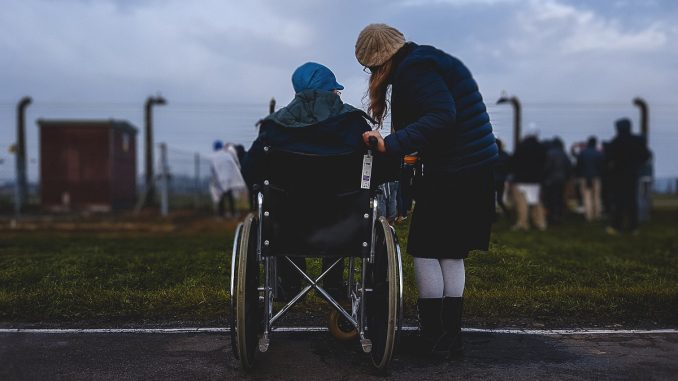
451 341
429 320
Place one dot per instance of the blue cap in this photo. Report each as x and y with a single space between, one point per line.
218 144
314 76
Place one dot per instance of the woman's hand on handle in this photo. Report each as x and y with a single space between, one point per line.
380 141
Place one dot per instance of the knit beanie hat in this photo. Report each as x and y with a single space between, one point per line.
377 43
314 76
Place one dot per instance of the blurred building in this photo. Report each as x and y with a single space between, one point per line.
87 164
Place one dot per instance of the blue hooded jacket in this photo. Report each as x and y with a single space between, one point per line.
438 111
316 122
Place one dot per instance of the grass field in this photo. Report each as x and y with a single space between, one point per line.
572 275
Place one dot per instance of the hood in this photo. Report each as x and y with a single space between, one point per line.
310 107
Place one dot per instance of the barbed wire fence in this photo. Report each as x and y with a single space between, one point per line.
188 177
184 181
189 128
8 190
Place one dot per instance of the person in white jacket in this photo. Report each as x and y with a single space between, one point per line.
226 178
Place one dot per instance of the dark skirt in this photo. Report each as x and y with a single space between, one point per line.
453 215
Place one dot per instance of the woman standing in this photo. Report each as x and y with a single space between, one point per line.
438 112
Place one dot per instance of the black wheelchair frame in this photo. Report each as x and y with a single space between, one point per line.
374 285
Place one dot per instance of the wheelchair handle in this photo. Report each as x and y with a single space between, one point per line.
372 142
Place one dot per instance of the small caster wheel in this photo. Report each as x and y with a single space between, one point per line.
340 328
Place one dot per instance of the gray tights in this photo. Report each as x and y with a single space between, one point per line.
439 277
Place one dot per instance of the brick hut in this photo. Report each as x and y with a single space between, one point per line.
87 164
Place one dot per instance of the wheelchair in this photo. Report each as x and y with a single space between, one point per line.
313 206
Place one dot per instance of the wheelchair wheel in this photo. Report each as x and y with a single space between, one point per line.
248 310
383 303
232 294
340 327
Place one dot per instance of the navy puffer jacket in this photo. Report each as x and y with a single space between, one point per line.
437 110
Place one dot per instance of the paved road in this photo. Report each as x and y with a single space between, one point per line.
309 356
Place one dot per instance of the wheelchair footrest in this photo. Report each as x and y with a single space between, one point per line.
264 341
366 344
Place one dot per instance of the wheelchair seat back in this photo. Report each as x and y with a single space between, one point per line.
314 206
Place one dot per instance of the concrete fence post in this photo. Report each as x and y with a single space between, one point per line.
164 181
517 116
196 193
21 181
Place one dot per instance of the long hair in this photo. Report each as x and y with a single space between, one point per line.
378 92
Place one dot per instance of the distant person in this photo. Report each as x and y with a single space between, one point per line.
437 111
575 149
557 173
606 189
241 153
590 173
527 169
625 155
645 181
501 172
225 178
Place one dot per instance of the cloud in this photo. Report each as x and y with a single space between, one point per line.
583 30
172 44
547 49
458 3
245 51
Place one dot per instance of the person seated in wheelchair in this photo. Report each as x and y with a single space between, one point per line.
316 122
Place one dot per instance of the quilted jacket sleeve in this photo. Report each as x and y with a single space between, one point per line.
427 94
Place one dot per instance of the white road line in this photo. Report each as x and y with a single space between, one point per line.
556 332
539 332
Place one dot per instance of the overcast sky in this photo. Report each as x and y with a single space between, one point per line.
218 62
